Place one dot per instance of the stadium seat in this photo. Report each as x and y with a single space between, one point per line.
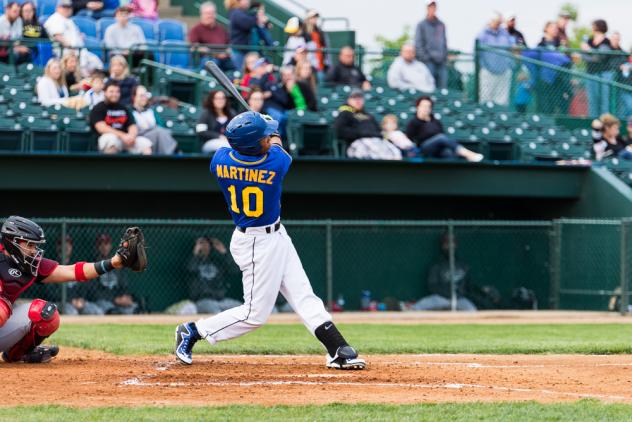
102 25
11 135
42 134
95 46
46 7
169 29
86 25
44 54
176 53
148 27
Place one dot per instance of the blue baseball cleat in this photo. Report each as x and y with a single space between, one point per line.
186 337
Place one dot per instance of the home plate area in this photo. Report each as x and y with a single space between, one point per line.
89 379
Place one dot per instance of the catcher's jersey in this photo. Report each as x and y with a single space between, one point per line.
252 185
13 281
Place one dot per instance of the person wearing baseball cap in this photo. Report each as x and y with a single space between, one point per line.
431 45
511 28
316 38
295 39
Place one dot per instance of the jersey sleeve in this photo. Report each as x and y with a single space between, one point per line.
46 268
278 153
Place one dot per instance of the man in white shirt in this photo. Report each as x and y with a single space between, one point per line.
123 35
11 29
408 73
62 29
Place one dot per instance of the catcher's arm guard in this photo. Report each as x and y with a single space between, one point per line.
131 249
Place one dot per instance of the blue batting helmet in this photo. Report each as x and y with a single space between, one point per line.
247 129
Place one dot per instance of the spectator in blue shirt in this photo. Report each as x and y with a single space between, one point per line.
495 68
242 24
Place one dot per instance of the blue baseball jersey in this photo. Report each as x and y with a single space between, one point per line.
252 185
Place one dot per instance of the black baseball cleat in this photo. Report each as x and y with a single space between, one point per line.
346 358
186 337
40 354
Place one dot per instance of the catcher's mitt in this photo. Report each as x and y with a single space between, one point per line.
132 249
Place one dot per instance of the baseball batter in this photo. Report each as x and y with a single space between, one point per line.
22 263
250 175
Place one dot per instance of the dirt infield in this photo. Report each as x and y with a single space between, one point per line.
87 378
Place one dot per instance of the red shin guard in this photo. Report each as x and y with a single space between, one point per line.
44 322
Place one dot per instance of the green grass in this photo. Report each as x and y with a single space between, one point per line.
585 410
368 339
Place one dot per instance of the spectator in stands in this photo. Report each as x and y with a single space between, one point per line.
495 68
11 28
289 94
90 8
607 139
362 134
248 72
62 29
123 36
427 132
209 31
242 23
262 76
598 65
345 72
150 124
629 130
431 45
624 76
316 39
408 73
553 89
110 291
70 67
145 9
519 39
440 280
95 94
209 269
32 29
304 72
295 39
620 58
119 71
391 132
256 100
114 124
562 23
212 122
51 88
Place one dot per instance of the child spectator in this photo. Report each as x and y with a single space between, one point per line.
391 132
212 122
119 72
149 123
427 132
51 88
95 95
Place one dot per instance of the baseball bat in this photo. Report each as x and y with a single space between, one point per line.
226 83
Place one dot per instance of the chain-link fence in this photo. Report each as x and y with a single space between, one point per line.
384 265
563 82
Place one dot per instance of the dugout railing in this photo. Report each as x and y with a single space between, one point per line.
567 264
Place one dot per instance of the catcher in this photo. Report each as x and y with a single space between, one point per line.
22 263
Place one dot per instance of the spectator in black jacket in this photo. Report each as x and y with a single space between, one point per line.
607 139
345 72
427 132
598 65
361 132
212 122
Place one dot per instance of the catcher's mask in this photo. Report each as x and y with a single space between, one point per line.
22 238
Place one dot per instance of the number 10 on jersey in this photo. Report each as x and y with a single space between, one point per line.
247 195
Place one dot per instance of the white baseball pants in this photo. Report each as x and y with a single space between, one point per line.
269 264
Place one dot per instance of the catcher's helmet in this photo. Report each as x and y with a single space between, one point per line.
27 256
246 130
